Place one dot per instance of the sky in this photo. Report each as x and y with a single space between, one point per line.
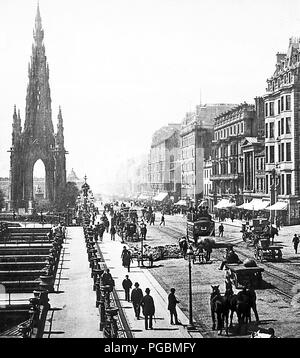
121 69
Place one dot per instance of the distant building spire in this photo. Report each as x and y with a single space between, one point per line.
39 32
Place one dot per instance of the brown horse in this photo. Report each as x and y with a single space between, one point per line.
219 307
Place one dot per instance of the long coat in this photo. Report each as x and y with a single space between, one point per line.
172 302
136 296
147 304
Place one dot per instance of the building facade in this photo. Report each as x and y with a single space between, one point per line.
282 120
207 183
228 163
164 164
196 138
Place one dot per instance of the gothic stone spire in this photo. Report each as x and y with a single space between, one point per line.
38 121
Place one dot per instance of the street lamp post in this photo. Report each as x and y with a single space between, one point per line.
191 325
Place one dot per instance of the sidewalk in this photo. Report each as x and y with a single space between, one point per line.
77 315
162 328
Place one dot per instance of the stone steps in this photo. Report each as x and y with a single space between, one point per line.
9 266
25 250
19 275
23 258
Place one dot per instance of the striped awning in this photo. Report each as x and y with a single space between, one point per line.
280 205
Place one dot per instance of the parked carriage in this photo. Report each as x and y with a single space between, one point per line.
240 275
264 251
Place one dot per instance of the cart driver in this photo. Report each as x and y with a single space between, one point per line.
230 258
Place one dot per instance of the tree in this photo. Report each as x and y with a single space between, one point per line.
2 200
68 197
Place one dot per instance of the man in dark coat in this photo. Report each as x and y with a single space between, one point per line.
296 242
143 231
127 284
147 304
172 301
127 259
136 298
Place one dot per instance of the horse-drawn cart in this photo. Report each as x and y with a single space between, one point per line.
241 275
270 253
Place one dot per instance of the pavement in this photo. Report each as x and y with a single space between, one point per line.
74 313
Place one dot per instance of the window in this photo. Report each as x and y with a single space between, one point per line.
288 125
279 152
267 184
289 77
282 125
278 129
288 152
271 108
282 152
267 134
242 127
282 184
266 106
267 154
282 103
288 184
257 164
288 102
272 130
231 130
278 106
272 156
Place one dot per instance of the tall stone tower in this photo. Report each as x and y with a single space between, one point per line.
37 140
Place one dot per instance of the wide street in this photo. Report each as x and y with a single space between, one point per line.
275 310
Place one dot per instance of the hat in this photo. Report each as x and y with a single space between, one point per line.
136 284
147 290
172 289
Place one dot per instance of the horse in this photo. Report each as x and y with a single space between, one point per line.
220 307
243 308
183 245
273 232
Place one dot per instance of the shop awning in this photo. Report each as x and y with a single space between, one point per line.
256 205
181 203
160 196
203 202
224 203
280 205
144 197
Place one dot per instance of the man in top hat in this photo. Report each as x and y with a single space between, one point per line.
136 298
147 304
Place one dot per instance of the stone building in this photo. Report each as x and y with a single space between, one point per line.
196 138
207 183
228 163
164 163
282 121
73 178
253 157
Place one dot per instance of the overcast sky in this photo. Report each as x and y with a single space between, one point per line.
121 69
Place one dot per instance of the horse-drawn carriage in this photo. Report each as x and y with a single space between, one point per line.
198 227
241 275
264 251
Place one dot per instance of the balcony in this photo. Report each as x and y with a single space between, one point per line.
225 177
